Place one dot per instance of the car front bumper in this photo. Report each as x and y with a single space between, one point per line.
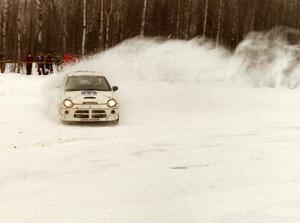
84 113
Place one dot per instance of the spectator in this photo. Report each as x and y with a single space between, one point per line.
49 63
40 65
29 61
2 63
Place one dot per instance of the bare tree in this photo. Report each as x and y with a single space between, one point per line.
219 22
19 28
143 23
84 29
120 19
40 22
4 27
188 22
64 27
205 19
253 14
178 18
100 37
108 13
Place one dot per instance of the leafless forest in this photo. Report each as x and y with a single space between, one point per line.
90 26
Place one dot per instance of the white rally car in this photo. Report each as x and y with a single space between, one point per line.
88 97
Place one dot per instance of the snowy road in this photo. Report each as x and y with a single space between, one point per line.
183 152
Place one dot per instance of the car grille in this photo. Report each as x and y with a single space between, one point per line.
82 111
98 114
90 114
81 114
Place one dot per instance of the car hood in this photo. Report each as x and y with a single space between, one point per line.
78 97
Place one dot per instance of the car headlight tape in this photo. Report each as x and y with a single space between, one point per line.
111 103
68 103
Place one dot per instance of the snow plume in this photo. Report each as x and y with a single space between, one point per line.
263 59
156 60
269 59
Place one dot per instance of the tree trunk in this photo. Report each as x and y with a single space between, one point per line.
205 19
219 22
188 22
19 29
100 37
143 23
64 30
253 15
119 21
178 18
25 27
84 29
108 15
4 27
64 34
40 31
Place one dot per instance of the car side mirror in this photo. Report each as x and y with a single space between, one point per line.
115 88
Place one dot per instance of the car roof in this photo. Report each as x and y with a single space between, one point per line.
85 73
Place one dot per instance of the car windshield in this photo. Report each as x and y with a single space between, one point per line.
84 83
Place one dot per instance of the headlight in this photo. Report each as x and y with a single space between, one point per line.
111 103
68 103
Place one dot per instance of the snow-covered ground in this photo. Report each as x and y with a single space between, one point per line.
192 144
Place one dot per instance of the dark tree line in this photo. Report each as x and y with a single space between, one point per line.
90 26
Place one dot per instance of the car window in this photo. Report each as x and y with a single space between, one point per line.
82 83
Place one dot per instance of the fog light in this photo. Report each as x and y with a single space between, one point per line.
67 112
113 111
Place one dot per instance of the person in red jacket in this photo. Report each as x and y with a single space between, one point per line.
29 61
